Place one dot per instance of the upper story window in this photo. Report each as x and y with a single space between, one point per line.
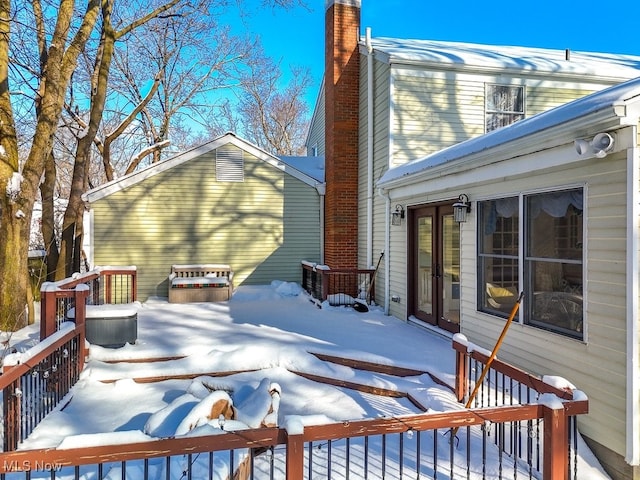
230 164
504 105
533 243
314 150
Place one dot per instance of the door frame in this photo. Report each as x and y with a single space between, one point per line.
439 210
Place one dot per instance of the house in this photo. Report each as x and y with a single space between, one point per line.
224 202
538 149
385 102
554 202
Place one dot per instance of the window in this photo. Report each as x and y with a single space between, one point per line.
498 254
229 164
551 261
504 105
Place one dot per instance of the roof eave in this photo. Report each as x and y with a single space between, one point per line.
605 119
134 178
482 69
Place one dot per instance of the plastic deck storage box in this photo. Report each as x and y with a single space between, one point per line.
110 325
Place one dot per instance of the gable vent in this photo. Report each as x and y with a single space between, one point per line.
230 164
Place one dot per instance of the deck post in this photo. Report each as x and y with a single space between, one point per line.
462 372
12 403
556 448
295 457
324 285
134 286
81 295
47 311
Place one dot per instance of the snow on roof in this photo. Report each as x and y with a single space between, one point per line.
527 59
603 101
311 166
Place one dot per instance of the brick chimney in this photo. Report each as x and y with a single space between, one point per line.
342 63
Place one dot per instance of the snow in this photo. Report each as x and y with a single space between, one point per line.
311 166
107 310
489 57
263 335
14 186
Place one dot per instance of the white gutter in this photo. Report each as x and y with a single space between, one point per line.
633 372
387 235
369 145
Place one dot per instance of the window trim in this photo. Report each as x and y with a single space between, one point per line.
488 112
522 258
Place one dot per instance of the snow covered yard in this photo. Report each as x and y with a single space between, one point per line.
263 334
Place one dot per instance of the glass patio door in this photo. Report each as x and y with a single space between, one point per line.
435 267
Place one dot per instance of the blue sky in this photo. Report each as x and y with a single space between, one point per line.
296 36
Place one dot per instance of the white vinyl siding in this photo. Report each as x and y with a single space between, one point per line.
381 106
434 110
542 98
433 113
315 136
596 365
380 149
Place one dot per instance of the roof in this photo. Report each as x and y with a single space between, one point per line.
228 138
613 102
312 166
504 58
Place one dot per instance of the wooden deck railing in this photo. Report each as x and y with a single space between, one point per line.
517 435
338 286
103 284
35 382
395 448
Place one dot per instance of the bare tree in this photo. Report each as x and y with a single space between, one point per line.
36 68
270 113
58 52
195 56
69 256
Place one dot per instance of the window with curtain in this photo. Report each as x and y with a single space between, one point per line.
551 260
498 262
504 105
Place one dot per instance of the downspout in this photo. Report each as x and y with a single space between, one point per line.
633 372
87 238
321 188
387 242
369 146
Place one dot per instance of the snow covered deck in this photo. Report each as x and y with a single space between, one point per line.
264 340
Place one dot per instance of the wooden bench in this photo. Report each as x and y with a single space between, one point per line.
200 283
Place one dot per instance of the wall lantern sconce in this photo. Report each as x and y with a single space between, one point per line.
461 208
397 215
